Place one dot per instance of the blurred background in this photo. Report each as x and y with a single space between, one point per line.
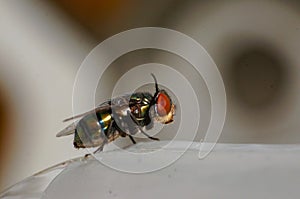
254 43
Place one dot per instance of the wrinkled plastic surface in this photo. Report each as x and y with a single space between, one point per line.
230 171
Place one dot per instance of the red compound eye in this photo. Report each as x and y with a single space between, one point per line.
163 104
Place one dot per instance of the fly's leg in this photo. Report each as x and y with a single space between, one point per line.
150 137
96 151
141 130
99 149
132 140
111 129
123 134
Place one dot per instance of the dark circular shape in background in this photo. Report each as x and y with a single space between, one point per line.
258 77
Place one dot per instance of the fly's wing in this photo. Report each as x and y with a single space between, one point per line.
102 107
67 131
72 127
119 103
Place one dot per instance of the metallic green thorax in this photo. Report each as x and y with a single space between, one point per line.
140 104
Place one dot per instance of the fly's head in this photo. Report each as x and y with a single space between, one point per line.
164 109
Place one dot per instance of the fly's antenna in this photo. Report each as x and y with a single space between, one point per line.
156 85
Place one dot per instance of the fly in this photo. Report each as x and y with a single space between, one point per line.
120 117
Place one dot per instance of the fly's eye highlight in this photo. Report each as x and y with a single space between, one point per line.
163 103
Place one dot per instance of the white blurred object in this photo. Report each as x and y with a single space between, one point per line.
230 171
40 52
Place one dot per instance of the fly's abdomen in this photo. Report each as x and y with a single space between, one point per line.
91 130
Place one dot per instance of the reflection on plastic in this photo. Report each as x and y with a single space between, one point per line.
230 171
